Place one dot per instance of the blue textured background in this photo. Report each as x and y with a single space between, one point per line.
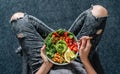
58 14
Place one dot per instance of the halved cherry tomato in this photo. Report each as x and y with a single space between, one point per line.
75 44
71 47
70 43
67 40
75 49
65 34
68 37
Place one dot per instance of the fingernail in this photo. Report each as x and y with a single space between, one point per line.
90 37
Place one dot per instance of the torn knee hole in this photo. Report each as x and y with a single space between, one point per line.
20 35
99 11
99 31
17 16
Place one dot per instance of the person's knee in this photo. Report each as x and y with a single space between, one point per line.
99 11
16 16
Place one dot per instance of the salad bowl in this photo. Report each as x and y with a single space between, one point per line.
61 47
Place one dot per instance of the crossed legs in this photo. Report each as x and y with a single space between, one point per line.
90 23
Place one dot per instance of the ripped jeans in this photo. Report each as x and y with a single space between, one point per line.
31 32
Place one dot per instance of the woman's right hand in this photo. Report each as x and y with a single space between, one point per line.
85 47
84 51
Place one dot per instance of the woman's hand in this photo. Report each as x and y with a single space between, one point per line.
46 66
84 51
85 47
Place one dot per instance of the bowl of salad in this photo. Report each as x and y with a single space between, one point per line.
61 47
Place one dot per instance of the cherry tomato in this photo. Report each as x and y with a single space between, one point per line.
66 40
75 49
68 37
70 41
65 34
72 47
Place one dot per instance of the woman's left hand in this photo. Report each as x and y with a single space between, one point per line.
46 66
45 60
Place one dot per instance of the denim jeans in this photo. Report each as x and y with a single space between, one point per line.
31 33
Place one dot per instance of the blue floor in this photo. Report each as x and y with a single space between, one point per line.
58 14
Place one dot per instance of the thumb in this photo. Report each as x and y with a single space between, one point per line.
42 53
42 49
